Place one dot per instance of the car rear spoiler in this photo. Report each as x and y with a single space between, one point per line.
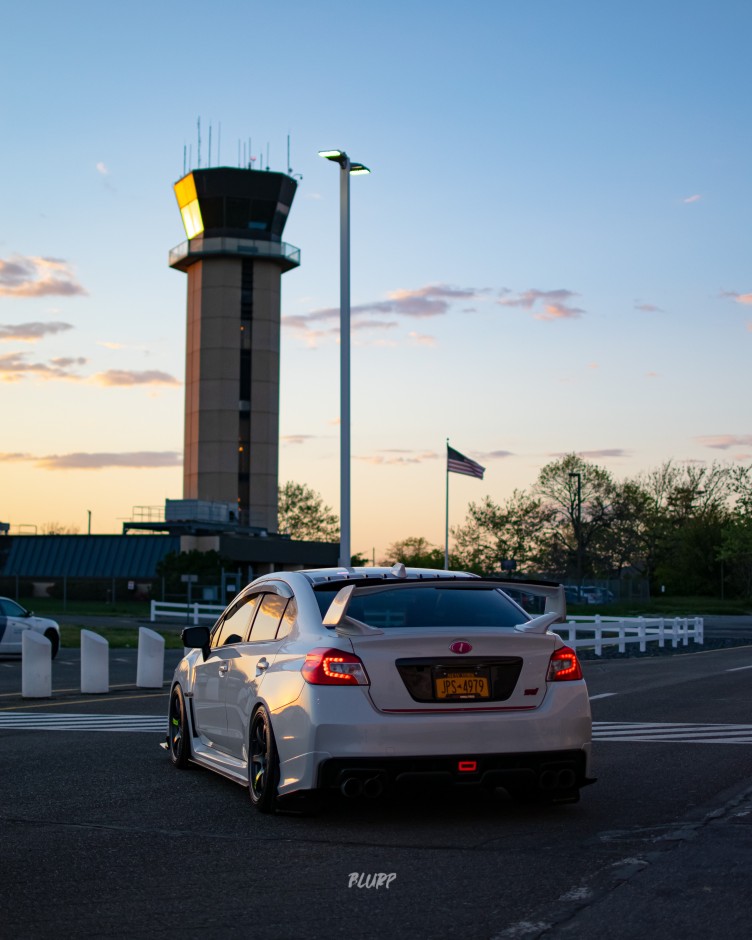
336 615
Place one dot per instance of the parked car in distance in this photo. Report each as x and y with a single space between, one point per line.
14 619
372 680
588 594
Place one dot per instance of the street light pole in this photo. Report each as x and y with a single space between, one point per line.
345 557
346 168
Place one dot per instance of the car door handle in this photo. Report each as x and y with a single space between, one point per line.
262 665
223 668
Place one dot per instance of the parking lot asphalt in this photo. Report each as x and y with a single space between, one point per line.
101 836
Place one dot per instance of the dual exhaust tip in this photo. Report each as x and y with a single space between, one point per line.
564 779
370 787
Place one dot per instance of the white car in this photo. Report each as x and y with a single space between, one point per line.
14 619
368 680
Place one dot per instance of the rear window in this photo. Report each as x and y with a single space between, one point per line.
430 607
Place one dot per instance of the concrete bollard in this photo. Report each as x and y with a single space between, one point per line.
36 665
150 670
95 663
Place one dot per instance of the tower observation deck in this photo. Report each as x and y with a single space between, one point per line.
234 258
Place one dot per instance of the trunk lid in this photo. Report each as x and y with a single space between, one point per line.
450 669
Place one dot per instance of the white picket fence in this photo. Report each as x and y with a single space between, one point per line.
593 632
186 613
598 631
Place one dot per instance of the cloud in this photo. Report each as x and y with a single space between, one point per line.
102 169
689 199
398 456
492 455
37 277
130 377
16 366
31 332
647 308
370 325
422 339
652 375
430 301
725 441
297 438
136 460
737 297
544 304
599 454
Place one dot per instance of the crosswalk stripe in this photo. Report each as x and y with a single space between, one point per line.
624 731
81 722
680 732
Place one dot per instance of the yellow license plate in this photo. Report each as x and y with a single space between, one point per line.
462 685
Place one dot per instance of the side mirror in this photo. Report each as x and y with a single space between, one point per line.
196 638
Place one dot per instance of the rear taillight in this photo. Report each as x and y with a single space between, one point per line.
333 667
564 665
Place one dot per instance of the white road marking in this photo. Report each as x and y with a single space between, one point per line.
77 722
738 668
683 732
629 731
602 695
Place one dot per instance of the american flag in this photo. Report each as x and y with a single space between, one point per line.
458 463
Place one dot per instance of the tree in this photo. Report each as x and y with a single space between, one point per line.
688 512
493 533
735 553
303 515
207 565
58 528
416 552
580 497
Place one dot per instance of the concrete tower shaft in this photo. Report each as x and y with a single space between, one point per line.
234 260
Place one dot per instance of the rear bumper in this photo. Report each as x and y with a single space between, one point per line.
341 728
547 772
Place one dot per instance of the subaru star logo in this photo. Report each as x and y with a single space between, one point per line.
460 646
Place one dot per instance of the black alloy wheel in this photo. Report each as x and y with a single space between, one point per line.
263 763
177 729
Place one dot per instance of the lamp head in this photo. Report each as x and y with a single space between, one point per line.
339 156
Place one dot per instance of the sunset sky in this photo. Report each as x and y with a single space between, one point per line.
552 253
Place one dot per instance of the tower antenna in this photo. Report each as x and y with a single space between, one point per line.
209 163
198 124
289 168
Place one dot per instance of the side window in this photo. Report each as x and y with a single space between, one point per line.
268 618
234 627
291 612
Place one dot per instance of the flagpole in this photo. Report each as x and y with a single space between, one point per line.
446 527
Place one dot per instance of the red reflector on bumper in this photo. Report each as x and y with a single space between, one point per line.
467 766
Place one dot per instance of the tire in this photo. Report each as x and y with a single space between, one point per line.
54 637
178 731
301 803
263 763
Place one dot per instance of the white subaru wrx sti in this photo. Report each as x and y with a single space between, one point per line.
368 680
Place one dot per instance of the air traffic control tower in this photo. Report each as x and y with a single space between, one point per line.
234 259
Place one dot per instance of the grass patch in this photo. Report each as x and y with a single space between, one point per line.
52 606
118 638
663 606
